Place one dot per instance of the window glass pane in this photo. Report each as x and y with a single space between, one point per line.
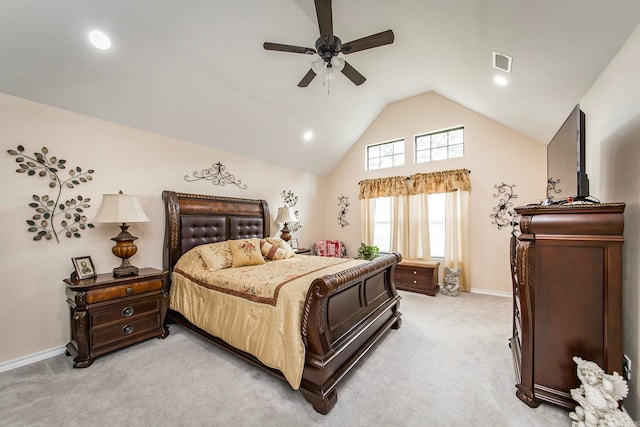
374 151
382 237
439 153
456 151
423 143
374 163
398 147
422 156
456 136
438 140
386 162
437 203
398 159
386 149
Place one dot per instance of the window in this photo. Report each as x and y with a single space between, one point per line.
443 145
437 203
385 155
382 230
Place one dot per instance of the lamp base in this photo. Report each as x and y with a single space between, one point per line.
125 269
124 249
286 233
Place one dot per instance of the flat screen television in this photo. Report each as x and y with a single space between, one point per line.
566 171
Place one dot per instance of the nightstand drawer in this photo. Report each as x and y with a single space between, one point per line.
411 273
125 290
125 310
105 338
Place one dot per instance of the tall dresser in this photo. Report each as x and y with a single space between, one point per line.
566 264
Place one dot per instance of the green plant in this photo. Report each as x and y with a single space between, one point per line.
367 252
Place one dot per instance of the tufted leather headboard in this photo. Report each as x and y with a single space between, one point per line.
194 219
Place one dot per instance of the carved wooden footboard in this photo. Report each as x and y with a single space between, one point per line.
345 314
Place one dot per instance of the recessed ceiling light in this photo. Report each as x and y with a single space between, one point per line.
99 40
308 135
500 80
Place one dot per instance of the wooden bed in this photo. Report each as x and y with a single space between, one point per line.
345 314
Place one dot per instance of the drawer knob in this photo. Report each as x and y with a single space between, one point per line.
129 291
127 311
415 272
127 329
415 282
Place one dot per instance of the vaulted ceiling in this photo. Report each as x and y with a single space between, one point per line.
196 69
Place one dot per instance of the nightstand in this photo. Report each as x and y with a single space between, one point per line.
417 276
109 313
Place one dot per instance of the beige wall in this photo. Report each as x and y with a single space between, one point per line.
612 115
33 312
494 154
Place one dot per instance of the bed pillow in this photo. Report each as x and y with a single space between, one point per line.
246 252
216 256
270 251
288 252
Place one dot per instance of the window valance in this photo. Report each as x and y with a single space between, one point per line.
440 182
383 187
419 183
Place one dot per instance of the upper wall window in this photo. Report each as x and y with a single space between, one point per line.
385 155
443 145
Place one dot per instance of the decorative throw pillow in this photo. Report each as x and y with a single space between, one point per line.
276 241
245 252
216 256
270 251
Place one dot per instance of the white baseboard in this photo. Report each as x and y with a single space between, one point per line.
494 293
32 358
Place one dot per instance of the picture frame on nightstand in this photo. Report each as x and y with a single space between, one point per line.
293 243
84 268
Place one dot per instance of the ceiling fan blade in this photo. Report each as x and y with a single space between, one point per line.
325 18
307 79
374 40
353 74
288 48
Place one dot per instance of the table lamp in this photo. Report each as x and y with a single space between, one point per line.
286 216
122 208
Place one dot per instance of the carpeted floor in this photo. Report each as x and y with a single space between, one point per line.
448 365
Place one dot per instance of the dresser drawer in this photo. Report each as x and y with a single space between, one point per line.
112 335
124 290
125 309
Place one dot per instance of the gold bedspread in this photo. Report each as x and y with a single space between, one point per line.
257 309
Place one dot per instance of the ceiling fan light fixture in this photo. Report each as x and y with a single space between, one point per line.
318 66
337 63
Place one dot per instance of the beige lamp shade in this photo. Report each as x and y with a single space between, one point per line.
286 215
120 208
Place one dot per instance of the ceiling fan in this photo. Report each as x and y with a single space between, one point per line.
328 46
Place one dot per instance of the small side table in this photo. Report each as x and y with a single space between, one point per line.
109 313
417 275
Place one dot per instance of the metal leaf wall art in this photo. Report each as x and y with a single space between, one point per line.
503 215
53 215
218 175
290 200
343 203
